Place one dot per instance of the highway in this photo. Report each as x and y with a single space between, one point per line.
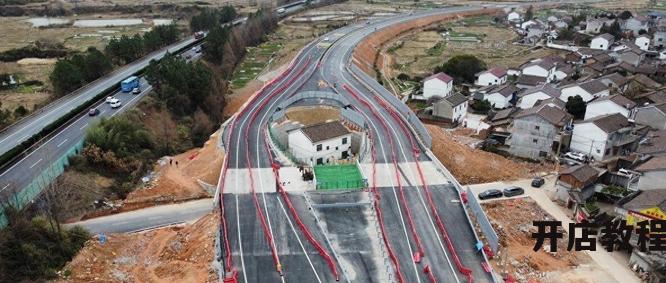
419 217
40 160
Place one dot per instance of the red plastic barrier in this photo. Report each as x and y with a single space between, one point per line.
440 224
410 221
302 227
225 167
378 211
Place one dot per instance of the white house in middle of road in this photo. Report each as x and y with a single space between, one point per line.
320 143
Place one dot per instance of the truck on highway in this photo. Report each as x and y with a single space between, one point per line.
198 35
129 84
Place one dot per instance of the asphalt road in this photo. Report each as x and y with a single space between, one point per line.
33 124
146 218
39 161
246 149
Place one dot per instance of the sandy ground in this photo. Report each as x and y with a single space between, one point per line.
471 166
175 183
172 254
513 222
603 267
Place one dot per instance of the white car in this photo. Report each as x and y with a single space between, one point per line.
576 156
109 99
136 90
115 103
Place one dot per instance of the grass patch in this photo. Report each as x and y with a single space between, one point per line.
338 177
254 62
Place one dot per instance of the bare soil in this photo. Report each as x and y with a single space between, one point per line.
474 166
512 219
312 115
177 183
28 97
172 254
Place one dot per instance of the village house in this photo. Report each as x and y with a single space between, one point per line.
653 173
654 143
610 105
593 25
576 184
635 24
494 76
631 55
501 97
659 38
563 71
528 81
439 85
452 108
643 42
537 132
544 68
530 96
653 115
513 16
499 122
320 143
615 81
587 90
606 136
602 42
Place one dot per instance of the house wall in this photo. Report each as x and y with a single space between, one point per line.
650 116
302 149
435 87
642 43
490 79
589 139
538 71
513 16
573 91
596 109
659 39
599 43
497 100
652 180
528 141
528 101
630 58
459 112
635 26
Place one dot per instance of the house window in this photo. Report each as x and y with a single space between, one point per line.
536 127
319 147
320 161
535 140
344 140
598 150
327 148
607 151
336 148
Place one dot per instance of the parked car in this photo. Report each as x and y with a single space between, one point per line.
537 182
576 156
108 99
492 193
136 90
115 103
513 191
93 112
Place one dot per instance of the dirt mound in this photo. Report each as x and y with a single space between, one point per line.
177 176
174 254
471 166
512 219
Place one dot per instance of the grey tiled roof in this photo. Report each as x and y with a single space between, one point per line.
324 131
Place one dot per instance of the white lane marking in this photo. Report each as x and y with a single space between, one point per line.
395 195
84 125
412 175
3 188
119 223
33 165
298 238
62 142
155 217
240 242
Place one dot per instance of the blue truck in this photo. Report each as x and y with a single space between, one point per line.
129 84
